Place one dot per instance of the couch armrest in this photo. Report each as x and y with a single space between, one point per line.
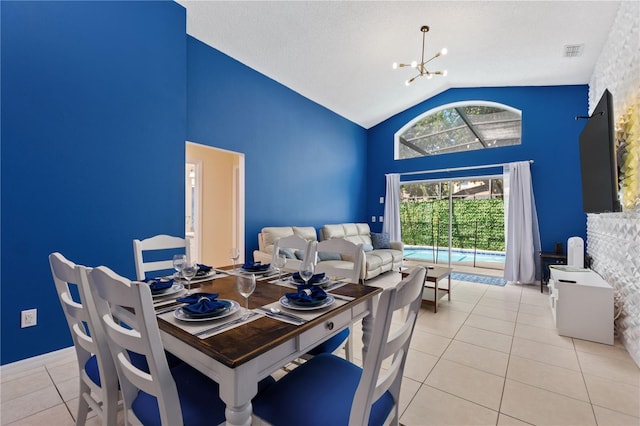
397 245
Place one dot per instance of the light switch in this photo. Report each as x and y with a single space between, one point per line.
373 218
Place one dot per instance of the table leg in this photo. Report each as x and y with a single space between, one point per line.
367 326
240 416
435 297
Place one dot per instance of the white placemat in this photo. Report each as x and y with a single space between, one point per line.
306 315
199 326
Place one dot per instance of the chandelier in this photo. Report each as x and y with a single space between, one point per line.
421 66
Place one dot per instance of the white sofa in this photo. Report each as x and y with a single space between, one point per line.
375 261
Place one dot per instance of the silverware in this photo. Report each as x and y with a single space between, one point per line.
170 309
282 314
219 327
334 285
344 298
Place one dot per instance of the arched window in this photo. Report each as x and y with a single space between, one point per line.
460 126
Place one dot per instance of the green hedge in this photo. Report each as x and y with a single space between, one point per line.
476 223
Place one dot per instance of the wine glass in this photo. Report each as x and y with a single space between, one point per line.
178 263
306 271
279 263
234 255
189 270
246 286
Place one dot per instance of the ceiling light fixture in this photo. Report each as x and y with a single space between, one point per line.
422 70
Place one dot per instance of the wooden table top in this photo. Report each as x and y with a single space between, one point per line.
241 344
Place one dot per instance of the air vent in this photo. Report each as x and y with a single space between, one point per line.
573 50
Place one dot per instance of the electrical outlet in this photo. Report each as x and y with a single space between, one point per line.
381 200
373 218
28 318
381 219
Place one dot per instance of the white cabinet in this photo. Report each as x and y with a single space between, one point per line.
582 305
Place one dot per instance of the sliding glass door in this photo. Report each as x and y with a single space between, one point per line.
454 222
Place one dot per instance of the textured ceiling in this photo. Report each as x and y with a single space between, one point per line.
339 54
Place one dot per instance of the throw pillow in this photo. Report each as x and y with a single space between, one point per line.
367 247
288 253
325 255
299 254
380 240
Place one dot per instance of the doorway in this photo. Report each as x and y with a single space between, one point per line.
214 198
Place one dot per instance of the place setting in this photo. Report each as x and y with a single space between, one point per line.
203 314
309 300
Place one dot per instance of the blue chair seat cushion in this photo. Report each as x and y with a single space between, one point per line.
319 392
199 400
330 345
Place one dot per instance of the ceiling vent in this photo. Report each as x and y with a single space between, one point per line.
573 50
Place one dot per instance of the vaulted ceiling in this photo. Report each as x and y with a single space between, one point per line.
339 53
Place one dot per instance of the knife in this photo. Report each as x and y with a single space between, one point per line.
219 327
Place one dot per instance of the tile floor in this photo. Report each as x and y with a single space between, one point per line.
490 356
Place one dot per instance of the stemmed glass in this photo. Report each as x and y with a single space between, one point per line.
234 255
306 271
178 263
189 270
279 263
246 286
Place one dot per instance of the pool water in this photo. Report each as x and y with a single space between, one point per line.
457 255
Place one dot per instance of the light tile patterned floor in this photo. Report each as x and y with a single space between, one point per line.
491 356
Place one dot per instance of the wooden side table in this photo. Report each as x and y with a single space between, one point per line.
549 258
434 275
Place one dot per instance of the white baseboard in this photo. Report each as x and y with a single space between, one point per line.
36 361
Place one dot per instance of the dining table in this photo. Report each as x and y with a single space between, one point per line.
239 350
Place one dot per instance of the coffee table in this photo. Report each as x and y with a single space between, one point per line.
434 275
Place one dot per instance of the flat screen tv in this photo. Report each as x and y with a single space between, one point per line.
598 163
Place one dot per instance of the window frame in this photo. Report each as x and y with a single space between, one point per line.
411 123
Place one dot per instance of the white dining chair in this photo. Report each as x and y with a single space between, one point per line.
329 390
339 259
98 390
161 396
295 249
156 243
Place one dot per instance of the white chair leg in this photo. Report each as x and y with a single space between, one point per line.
83 406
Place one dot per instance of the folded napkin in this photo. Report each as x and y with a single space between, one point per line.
256 267
316 278
307 295
203 303
203 270
157 286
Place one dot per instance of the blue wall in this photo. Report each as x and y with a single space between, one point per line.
93 130
305 165
549 137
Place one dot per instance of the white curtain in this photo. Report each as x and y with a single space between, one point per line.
521 223
391 224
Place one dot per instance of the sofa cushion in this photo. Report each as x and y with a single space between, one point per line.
305 232
380 240
271 234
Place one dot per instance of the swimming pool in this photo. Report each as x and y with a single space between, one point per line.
468 256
